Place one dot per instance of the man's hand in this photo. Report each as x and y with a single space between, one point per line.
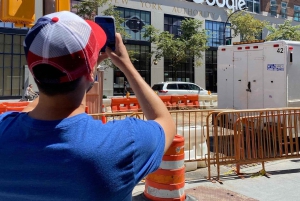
120 56
102 57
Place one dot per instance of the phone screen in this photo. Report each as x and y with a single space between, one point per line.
108 25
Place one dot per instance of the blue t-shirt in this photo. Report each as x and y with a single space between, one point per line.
77 158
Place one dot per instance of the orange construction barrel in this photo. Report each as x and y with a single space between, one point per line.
167 183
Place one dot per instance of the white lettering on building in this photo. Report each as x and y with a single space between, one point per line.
235 5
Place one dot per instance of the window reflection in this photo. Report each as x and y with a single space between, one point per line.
12 60
185 71
135 20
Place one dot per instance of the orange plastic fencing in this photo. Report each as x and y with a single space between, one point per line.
125 104
134 104
16 104
192 101
171 102
180 101
86 109
3 108
167 183
12 106
17 109
167 102
185 101
120 104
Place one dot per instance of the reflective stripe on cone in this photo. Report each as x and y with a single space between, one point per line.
163 192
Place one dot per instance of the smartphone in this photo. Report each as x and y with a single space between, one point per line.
107 23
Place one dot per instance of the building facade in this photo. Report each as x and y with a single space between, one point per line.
165 15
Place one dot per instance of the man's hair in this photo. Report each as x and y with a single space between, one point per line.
46 77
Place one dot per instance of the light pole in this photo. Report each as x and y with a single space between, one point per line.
224 31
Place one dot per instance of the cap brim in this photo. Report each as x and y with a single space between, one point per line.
98 32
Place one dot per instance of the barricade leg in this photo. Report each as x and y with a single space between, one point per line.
167 183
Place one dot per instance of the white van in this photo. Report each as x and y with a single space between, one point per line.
178 88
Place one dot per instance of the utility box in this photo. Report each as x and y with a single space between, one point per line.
259 75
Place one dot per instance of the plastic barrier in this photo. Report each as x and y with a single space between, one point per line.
18 109
120 104
123 104
192 101
179 100
16 104
86 109
167 183
167 101
3 108
103 118
134 104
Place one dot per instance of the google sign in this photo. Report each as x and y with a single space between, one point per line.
235 4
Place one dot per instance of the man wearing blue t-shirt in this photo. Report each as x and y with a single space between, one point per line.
53 150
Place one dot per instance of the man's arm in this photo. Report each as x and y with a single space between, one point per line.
151 104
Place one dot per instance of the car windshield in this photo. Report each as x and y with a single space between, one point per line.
157 87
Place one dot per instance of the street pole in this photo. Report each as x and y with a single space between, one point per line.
100 70
224 31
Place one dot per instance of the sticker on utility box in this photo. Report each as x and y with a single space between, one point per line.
275 67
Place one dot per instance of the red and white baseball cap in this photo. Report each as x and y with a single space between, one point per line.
65 41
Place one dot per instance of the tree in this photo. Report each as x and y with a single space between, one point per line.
178 49
88 9
285 31
245 25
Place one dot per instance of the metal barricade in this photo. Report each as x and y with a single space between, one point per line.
191 124
222 137
252 136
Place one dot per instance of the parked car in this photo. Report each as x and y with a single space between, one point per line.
178 88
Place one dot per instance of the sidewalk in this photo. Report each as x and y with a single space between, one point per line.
282 183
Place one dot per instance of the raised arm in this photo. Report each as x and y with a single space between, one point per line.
151 104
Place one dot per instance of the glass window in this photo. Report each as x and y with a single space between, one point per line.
211 69
17 44
183 86
194 87
273 8
172 24
283 10
296 14
142 64
157 87
12 60
215 31
253 6
172 86
1 75
134 22
185 71
7 43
